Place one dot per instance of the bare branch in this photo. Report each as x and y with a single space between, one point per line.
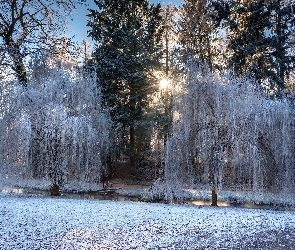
26 25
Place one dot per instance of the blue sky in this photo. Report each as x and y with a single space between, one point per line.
78 25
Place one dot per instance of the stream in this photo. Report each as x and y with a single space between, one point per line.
104 195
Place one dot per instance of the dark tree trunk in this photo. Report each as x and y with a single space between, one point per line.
132 148
18 64
54 190
21 73
214 198
280 49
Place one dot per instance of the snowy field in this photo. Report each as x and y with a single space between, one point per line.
58 223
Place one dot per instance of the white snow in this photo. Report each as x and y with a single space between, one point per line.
59 223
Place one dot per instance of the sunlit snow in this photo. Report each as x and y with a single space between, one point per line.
58 223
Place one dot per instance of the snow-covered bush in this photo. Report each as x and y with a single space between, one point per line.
227 134
156 192
54 129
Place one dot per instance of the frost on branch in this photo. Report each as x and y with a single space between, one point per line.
53 130
227 135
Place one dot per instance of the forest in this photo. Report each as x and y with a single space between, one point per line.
199 96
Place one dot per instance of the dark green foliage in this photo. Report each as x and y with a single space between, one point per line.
127 54
220 11
196 30
249 40
259 39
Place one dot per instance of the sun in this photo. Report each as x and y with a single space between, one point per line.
164 83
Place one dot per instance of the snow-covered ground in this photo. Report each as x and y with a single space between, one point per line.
58 223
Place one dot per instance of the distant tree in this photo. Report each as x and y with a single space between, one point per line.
86 50
248 40
127 54
281 31
27 26
161 107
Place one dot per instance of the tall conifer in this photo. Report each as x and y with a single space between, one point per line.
127 53
259 35
196 31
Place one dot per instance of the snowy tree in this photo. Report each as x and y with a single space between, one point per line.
228 136
55 128
28 26
127 54
15 131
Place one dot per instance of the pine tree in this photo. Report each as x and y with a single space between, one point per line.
248 40
169 23
259 35
196 31
281 30
127 54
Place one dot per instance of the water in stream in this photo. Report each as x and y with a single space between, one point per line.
119 197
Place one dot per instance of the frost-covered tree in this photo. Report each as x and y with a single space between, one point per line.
127 54
27 26
15 131
55 128
228 136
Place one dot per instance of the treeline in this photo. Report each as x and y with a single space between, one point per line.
193 130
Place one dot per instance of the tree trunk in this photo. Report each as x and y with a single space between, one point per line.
18 65
214 198
166 53
280 49
132 148
21 73
54 190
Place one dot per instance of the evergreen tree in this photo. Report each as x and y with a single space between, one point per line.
259 35
196 29
248 39
169 15
280 41
169 24
127 53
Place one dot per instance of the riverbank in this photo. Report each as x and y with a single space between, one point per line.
128 190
